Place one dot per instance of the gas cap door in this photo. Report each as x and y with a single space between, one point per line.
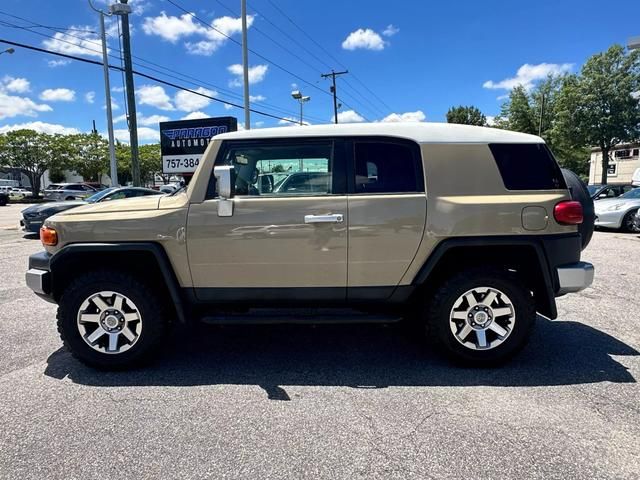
534 218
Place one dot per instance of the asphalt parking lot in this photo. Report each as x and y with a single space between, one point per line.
327 402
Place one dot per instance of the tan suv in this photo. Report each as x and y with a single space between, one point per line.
468 230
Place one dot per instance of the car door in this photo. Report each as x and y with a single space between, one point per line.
387 212
277 245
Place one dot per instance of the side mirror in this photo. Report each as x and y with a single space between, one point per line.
225 187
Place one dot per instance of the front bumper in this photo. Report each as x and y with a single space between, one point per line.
575 277
31 225
38 276
609 219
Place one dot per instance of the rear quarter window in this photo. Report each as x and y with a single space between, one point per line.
527 166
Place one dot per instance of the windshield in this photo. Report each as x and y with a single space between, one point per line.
96 197
635 193
592 189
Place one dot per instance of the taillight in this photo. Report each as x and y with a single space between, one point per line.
568 213
48 237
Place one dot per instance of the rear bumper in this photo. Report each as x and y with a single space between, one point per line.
575 277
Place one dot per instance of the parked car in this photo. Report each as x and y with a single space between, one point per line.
34 216
635 180
467 231
19 193
619 212
598 191
68 191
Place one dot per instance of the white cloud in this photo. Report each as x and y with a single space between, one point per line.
256 74
82 41
58 63
120 118
195 115
14 106
114 105
42 127
151 120
117 89
190 102
145 135
15 85
257 98
228 107
390 31
259 124
349 116
491 120
528 74
155 96
171 28
291 122
90 97
364 38
417 116
58 95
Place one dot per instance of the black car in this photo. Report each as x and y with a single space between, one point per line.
598 191
34 216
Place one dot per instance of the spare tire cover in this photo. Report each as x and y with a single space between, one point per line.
580 194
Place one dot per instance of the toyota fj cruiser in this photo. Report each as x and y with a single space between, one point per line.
468 230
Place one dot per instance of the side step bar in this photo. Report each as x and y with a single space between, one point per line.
318 316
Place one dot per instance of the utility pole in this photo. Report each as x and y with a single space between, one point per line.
124 10
107 95
333 76
245 64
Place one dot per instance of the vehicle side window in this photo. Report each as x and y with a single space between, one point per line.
281 169
527 166
74 187
386 167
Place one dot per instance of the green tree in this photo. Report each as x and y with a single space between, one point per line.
150 162
33 154
517 113
598 106
88 155
466 115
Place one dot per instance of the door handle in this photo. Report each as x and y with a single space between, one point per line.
331 218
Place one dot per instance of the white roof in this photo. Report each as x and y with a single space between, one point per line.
420 132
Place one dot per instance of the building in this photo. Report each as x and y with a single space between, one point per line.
624 161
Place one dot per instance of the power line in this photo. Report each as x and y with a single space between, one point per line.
144 75
181 76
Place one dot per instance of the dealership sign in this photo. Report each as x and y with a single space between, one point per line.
183 142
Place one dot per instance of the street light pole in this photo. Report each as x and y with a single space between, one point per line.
297 95
8 50
245 64
107 94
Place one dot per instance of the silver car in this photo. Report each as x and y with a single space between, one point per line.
619 212
68 191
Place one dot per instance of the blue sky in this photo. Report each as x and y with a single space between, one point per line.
418 57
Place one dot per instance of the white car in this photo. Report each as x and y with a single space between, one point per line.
619 212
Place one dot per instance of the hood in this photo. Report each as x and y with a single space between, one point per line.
605 203
58 206
149 202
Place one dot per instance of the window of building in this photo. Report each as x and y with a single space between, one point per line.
387 167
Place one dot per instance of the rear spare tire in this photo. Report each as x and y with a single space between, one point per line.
579 193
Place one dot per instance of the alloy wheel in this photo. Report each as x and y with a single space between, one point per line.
482 318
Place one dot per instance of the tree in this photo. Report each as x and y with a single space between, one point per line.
88 155
466 115
598 106
150 161
32 153
517 113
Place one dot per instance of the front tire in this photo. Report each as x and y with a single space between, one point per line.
110 320
480 317
629 224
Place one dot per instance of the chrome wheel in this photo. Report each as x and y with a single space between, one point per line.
482 318
109 322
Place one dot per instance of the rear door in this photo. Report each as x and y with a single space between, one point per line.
387 213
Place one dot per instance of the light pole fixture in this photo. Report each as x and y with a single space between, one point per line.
633 43
8 50
113 171
297 95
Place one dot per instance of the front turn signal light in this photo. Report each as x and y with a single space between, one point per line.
48 236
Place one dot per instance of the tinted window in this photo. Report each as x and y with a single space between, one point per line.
386 167
281 169
527 166
75 187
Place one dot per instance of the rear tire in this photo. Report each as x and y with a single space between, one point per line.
110 320
480 317
580 193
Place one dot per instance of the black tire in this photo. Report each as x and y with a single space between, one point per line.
151 308
580 193
629 224
70 198
3 200
439 308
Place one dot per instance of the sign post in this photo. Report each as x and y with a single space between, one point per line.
183 142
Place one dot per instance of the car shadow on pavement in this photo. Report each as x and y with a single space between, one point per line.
358 356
